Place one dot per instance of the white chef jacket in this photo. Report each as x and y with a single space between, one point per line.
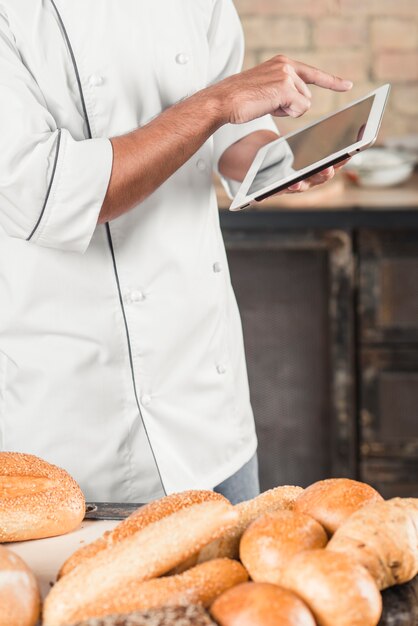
121 351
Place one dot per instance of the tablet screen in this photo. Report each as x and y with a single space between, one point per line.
312 145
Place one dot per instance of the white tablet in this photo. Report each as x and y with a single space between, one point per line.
300 154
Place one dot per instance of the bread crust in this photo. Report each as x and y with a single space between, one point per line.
332 501
20 600
37 499
140 519
383 537
147 554
260 604
199 585
274 538
227 545
338 591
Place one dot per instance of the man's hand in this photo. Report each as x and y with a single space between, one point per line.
279 87
315 179
148 156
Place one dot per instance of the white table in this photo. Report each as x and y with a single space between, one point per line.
45 556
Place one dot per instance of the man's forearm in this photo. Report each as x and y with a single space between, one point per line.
146 157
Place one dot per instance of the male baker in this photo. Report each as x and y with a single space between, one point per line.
121 352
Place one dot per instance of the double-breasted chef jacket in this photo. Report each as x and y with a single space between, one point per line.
121 350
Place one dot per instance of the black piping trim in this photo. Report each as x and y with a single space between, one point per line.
112 252
49 187
109 238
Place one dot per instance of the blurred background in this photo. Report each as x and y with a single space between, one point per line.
370 42
327 280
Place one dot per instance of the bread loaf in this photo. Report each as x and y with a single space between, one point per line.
260 604
274 538
332 501
227 545
19 594
192 615
146 554
383 537
37 499
339 591
199 585
145 515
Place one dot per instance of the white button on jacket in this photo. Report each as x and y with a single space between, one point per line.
126 396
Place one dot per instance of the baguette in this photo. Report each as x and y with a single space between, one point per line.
37 499
227 545
147 554
199 585
383 537
140 519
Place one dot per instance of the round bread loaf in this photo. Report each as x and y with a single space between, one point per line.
37 499
273 539
192 615
147 554
20 600
383 537
332 501
145 515
260 604
339 591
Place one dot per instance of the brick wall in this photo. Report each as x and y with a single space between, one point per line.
368 41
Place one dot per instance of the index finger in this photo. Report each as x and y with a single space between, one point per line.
314 76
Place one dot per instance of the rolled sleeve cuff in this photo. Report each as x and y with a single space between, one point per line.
231 133
77 192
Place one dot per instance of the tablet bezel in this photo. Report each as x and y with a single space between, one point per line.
242 200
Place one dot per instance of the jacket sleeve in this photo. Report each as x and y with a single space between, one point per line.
226 46
51 186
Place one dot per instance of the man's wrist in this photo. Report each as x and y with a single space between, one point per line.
212 106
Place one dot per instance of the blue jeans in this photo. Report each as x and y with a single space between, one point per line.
243 485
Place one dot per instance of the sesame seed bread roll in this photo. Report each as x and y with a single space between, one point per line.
383 537
20 600
273 539
142 517
332 501
227 545
147 554
338 591
260 604
37 499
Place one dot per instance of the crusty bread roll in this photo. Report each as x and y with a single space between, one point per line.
280 498
37 499
260 604
199 585
146 554
339 591
383 537
138 520
274 538
332 501
191 615
20 600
